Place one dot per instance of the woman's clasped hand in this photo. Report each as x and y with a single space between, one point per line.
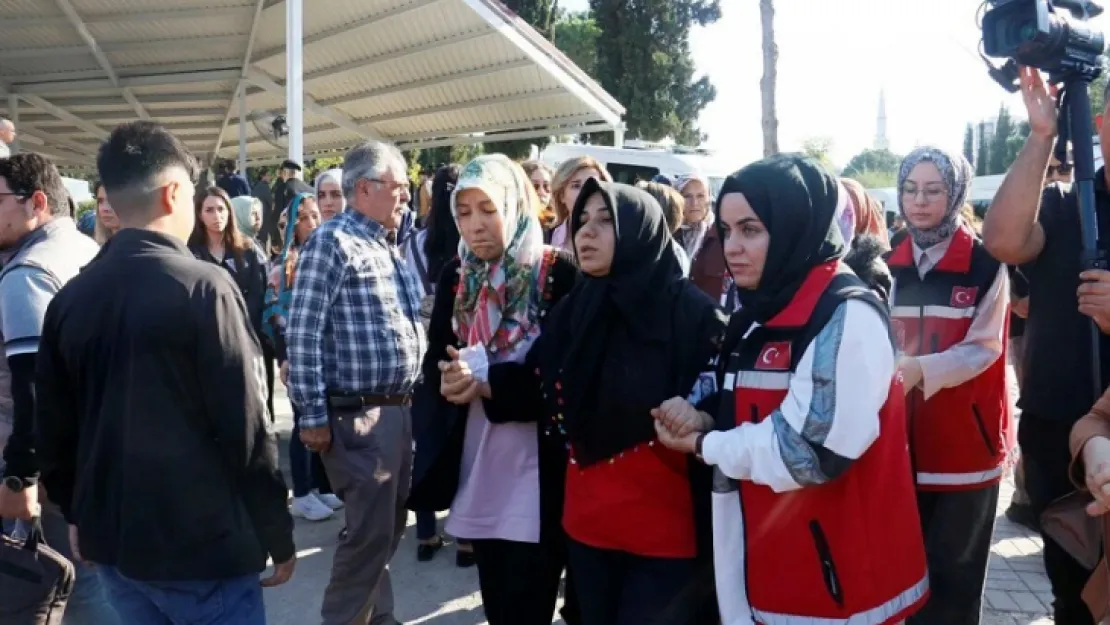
458 384
678 423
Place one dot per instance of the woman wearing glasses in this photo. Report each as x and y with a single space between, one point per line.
949 318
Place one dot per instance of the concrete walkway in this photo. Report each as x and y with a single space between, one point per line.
438 593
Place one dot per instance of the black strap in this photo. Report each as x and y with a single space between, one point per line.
844 287
421 265
36 536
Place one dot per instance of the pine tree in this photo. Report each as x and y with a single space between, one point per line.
969 144
981 156
999 147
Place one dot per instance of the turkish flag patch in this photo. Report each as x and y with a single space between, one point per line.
774 357
963 296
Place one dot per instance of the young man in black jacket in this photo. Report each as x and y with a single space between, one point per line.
152 429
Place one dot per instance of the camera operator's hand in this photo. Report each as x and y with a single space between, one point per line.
1094 297
1040 102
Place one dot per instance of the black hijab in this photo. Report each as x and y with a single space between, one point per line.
618 345
795 198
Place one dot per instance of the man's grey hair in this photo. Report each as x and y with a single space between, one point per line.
369 160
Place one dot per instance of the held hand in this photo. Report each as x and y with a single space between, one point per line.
1094 297
283 572
465 394
911 372
22 505
1040 102
284 372
680 417
317 439
1020 307
456 378
1096 458
684 444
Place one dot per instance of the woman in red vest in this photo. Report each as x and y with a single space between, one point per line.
814 516
949 313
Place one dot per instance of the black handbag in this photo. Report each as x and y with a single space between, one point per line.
35 580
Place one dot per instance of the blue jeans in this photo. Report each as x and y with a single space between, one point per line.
305 467
235 601
89 603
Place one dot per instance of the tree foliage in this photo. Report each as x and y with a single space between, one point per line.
872 161
999 150
876 179
820 148
540 14
969 143
644 61
981 156
576 35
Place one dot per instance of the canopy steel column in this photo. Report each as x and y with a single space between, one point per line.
618 135
13 111
294 78
242 127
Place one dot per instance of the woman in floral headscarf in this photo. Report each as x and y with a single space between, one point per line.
949 309
485 460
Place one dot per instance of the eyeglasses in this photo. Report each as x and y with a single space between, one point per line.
393 186
932 194
1062 169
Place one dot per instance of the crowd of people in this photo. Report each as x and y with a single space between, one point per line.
755 407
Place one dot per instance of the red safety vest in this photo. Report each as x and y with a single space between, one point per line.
849 550
960 437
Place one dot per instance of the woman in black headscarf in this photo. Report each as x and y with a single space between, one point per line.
631 334
814 515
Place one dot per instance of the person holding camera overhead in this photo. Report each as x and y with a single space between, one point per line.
1040 231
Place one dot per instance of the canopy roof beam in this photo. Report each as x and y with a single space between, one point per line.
238 91
101 58
337 117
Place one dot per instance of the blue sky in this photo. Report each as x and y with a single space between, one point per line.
834 57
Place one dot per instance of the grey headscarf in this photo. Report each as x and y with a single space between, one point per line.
957 174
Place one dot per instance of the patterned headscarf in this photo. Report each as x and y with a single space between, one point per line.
957 174
495 304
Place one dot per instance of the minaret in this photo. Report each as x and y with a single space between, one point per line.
881 142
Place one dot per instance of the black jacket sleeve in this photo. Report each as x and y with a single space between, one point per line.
55 420
233 380
440 332
515 393
19 454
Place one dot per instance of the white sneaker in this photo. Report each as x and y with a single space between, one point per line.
329 500
310 508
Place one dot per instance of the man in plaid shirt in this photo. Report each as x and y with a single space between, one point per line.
355 343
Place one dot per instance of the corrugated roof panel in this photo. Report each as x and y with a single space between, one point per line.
180 51
35 36
24 68
524 113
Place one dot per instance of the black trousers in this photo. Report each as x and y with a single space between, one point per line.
519 582
618 588
269 358
1044 449
957 527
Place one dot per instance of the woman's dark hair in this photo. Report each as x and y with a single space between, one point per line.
233 239
442 242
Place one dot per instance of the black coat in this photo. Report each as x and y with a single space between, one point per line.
440 426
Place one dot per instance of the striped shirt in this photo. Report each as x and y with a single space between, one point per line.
354 322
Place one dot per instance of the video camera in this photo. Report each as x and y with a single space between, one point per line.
1035 33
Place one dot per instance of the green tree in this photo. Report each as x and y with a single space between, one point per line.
820 148
1003 128
644 61
576 36
969 144
540 14
876 179
873 161
981 155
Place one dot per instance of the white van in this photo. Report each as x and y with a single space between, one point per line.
629 165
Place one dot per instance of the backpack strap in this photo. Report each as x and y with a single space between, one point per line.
844 286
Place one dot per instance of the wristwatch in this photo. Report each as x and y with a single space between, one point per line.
697 446
15 484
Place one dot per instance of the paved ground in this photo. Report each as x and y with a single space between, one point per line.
438 593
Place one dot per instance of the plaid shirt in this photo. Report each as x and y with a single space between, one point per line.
354 322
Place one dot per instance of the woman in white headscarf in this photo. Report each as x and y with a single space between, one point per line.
699 238
329 193
484 457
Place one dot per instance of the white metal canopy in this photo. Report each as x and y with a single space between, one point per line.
420 73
